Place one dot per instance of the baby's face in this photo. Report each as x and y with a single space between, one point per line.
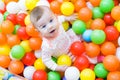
48 25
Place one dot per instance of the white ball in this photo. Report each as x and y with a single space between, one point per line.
37 53
28 72
1 18
43 2
12 7
118 53
2 5
72 73
119 41
21 4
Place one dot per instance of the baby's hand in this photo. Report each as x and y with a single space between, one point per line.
71 17
61 68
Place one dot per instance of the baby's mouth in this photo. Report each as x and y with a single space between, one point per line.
52 31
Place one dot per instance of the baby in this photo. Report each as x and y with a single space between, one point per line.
56 41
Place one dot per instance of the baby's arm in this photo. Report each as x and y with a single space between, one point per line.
47 60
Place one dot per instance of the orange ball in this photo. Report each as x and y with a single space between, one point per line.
111 63
98 24
108 48
85 14
55 7
7 1
13 40
4 61
92 50
3 38
35 43
7 27
115 13
95 3
79 4
31 31
114 75
16 67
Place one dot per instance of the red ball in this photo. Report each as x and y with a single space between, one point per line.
108 19
81 62
20 19
77 48
50 1
29 59
111 33
12 18
40 75
21 32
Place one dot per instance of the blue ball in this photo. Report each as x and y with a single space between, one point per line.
86 35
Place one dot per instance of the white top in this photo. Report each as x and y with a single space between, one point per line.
60 45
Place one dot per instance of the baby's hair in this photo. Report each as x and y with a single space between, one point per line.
37 13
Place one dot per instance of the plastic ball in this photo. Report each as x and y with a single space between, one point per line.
67 8
97 13
22 34
2 7
3 38
111 33
118 53
115 13
1 18
25 45
64 60
108 48
95 3
98 36
106 5
98 24
16 67
43 3
5 15
12 7
17 52
27 20
4 49
100 70
65 25
30 4
92 50
114 75
28 72
4 61
111 63
87 74
16 27
79 27
86 35
38 64
74 71
88 24
85 14
13 40
117 25
79 4
55 7
22 5
108 19
7 27
35 43
30 30
12 18
77 48
21 18
29 59
53 75
8 1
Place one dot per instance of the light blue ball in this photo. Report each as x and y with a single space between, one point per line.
86 35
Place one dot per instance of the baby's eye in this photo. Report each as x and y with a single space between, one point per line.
44 26
51 20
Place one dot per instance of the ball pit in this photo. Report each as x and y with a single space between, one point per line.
97 55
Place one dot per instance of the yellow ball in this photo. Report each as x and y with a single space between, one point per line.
65 25
67 8
39 64
88 24
25 45
64 60
118 25
27 20
87 74
4 50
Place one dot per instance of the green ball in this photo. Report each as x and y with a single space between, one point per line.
5 15
97 13
53 75
17 52
78 27
106 5
16 28
98 36
100 71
